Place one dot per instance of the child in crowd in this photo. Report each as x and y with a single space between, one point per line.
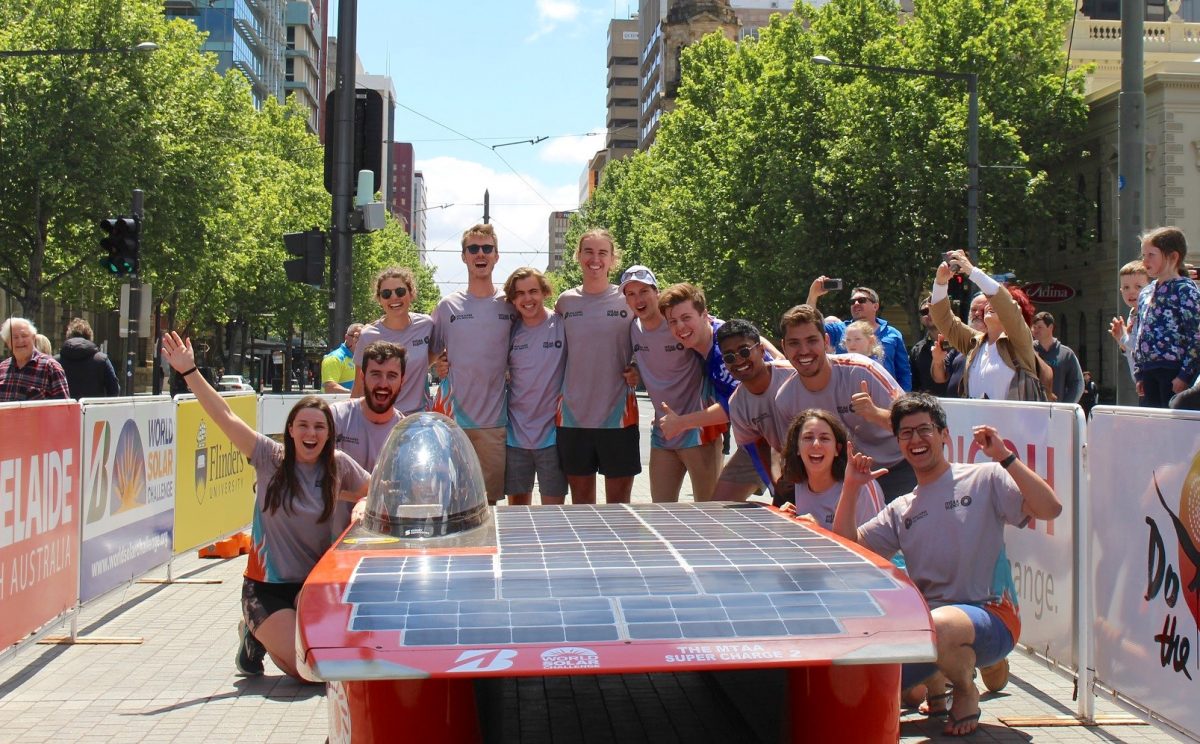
860 339
1165 351
1124 330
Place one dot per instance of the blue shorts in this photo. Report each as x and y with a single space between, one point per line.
992 643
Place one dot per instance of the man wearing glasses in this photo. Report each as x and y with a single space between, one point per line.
752 411
337 367
864 305
950 529
471 328
858 390
921 357
674 379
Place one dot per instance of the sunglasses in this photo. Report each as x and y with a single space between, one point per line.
729 357
641 275
487 249
860 300
386 294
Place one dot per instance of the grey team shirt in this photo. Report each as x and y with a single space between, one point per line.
951 532
823 504
358 437
417 340
849 371
673 375
757 416
289 542
475 332
537 356
595 395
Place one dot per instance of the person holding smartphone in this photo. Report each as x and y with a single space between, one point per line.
864 306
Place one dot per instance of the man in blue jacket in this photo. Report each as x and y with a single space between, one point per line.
864 305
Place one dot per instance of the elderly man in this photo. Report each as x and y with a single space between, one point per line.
864 306
28 374
337 367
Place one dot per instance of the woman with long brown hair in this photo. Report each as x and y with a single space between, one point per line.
298 483
815 454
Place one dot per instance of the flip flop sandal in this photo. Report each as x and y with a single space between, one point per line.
932 712
952 722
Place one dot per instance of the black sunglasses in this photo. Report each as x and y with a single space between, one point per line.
487 249
729 357
860 300
386 294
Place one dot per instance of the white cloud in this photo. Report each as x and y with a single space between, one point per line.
521 218
552 13
572 150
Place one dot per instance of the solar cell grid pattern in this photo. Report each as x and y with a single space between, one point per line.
636 572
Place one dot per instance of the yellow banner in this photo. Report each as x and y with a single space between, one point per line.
214 483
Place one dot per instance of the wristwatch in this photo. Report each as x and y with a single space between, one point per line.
1006 462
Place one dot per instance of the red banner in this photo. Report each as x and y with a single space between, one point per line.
39 515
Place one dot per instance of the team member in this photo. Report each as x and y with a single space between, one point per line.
752 410
951 531
472 328
362 424
537 356
598 415
816 451
337 367
686 310
396 291
674 378
859 391
298 484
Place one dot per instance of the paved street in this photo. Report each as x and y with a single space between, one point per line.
179 683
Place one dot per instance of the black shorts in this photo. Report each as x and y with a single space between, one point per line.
261 599
611 452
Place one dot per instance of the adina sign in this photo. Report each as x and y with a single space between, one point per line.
1049 291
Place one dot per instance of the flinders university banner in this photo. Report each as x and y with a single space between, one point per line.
214 483
1145 501
129 490
39 515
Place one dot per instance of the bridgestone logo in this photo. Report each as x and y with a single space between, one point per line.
570 657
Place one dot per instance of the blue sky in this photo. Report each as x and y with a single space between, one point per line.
496 71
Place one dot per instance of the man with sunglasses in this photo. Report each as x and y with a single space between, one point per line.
337 367
864 305
950 528
395 291
755 417
921 357
471 328
674 379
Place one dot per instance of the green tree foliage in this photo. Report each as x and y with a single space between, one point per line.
772 170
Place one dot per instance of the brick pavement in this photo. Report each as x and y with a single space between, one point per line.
179 685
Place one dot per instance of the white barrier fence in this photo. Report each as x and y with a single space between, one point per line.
1145 513
273 409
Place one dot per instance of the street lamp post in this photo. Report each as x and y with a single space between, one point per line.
145 46
972 80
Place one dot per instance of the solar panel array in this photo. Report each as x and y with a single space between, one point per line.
608 573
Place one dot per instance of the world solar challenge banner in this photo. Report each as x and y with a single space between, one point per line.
1041 555
1145 501
39 515
214 485
128 490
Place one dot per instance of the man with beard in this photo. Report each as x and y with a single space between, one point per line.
921 357
858 390
950 528
362 425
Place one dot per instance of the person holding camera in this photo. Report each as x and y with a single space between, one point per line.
1001 363
864 306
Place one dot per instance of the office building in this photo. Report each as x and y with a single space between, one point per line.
304 61
621 100
559 221
420 207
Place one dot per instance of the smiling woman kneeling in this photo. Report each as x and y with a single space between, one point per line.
294 517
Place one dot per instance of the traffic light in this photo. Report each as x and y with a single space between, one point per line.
123 242
309 266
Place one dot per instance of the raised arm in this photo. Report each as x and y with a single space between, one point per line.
1039 499
182 359
959 334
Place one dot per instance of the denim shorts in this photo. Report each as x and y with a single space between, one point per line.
992 643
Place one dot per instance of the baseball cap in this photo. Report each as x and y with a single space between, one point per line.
638 273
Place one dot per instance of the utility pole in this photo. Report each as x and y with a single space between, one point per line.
487 217
1131 157
135 297
343 174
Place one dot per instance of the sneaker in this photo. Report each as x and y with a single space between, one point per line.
250 653
995 677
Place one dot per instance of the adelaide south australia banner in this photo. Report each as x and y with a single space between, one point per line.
128 491
1145 500
39 514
